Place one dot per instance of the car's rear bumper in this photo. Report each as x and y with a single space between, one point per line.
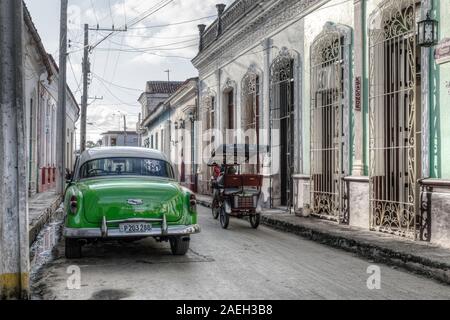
170 231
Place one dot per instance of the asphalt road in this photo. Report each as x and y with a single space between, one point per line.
239 263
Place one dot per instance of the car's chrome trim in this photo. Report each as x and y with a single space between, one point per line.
87 233
132 220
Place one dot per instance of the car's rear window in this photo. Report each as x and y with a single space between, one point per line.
126 167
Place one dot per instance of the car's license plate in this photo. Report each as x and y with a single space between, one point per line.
135 227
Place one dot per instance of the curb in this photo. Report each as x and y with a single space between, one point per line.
410 262
46 215
203 203
407 261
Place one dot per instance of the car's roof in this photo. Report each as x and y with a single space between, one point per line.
121 152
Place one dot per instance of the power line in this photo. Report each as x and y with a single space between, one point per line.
95 13
74 76
138 50
193 36
174 23
117 61
135 21
149 14
110 12
125 12
156 46
116 85
114 96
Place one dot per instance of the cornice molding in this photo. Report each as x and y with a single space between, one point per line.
250 32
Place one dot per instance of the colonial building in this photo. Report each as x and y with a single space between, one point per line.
170 128
155 93
120 139
350 100
41 96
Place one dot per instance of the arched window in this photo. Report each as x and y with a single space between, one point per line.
250 118
282 128
330 63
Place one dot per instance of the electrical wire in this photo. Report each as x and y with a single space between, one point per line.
137 50
125 12
173 24
152 12
156 46
110 12
193 36
117 61
116 85
164 3
95 13
74 76
115 97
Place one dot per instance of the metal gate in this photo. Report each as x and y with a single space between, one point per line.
393 122
282 122
251 118
327 137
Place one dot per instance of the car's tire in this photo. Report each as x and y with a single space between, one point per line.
224 218
215 209
179 245
255 221
73 249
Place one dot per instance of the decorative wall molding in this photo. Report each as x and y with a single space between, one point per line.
249 34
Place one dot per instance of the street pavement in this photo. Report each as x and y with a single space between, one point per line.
239 263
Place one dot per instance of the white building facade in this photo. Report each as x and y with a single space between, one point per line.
41 96
346 101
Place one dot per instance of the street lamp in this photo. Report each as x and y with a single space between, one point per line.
428 32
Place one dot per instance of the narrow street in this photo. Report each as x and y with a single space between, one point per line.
240 263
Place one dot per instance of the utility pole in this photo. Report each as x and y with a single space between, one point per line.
86 70
14 241
84 100
62 96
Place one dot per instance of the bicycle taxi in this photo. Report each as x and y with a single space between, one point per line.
237 194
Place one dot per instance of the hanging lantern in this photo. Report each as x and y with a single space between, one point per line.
428 32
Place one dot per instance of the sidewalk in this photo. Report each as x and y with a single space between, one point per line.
418 257
41 209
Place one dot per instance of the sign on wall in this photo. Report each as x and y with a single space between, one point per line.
358 93
442 52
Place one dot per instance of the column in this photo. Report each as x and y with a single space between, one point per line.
358 88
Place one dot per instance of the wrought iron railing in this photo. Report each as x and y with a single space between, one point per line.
232 14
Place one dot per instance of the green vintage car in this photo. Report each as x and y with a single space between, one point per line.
127 194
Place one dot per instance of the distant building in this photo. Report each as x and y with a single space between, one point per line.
120 139
169 125
156 92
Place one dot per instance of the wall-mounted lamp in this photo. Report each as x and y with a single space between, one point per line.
427 32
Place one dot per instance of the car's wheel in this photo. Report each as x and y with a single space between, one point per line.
255 220
224 218
73 249
179 245
215 208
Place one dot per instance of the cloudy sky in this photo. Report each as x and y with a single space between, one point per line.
123 63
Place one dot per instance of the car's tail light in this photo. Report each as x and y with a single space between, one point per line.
73 205
193 203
